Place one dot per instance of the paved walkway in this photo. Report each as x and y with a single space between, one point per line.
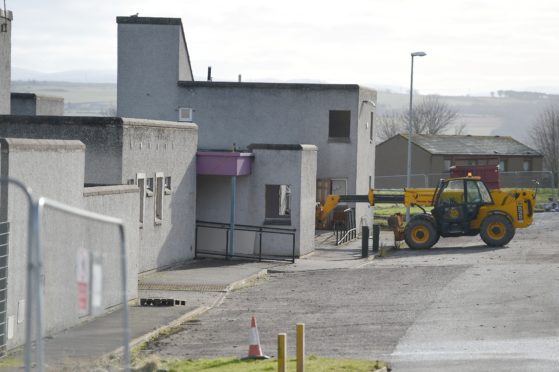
197 286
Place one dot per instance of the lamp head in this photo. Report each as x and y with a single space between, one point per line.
418 54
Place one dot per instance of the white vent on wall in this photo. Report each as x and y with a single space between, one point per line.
185 114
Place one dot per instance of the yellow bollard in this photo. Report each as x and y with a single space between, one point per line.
282 345
300 347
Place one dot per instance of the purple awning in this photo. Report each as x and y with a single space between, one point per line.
224 163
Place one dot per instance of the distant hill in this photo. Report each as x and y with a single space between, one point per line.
72 76
509 113
80 99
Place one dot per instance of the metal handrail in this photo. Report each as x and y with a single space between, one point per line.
246 227
251 228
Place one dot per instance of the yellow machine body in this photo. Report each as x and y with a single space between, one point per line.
496 217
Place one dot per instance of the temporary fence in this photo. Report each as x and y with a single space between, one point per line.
76 270
509 179
84 263
251 242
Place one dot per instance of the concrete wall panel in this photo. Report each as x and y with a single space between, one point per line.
151 147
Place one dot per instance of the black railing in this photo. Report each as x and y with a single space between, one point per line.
260 230
346 230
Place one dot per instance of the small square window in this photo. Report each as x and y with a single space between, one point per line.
339 124
527 165
185 114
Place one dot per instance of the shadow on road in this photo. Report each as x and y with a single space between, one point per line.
461 250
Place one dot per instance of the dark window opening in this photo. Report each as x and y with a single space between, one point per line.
278 205
339 124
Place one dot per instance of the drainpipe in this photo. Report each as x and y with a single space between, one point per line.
232 218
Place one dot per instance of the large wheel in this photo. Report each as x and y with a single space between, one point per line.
421 234
496 230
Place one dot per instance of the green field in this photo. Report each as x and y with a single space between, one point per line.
312 363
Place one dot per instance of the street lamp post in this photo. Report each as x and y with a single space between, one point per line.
408 181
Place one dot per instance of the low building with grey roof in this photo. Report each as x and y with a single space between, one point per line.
433 155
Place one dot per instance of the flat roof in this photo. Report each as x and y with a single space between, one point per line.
149 20
256 85
93 121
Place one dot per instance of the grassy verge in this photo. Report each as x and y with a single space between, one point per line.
312 363
11 362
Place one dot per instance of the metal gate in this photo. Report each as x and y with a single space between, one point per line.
4 239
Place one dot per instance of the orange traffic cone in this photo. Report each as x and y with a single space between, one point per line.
254 349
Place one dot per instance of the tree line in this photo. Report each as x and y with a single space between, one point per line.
430 116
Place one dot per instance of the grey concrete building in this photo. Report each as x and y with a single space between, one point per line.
433 155
142 171
337 118
33 104
158 156
5 60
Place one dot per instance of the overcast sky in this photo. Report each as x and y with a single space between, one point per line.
473 47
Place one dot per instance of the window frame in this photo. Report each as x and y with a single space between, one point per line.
142 187
168 185
158 192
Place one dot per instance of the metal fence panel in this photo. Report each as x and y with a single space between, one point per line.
399 181
83 309
517 179
527 179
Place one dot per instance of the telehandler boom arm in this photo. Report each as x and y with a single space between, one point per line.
417 196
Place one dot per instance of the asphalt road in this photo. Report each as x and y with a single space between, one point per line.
457 307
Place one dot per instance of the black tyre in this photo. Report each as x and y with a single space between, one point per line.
420 234
496 230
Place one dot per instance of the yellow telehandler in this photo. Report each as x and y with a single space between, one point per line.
460 206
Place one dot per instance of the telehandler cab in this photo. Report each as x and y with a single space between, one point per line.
460 206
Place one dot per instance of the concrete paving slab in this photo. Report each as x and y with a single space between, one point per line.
202 275
328 256
85 345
